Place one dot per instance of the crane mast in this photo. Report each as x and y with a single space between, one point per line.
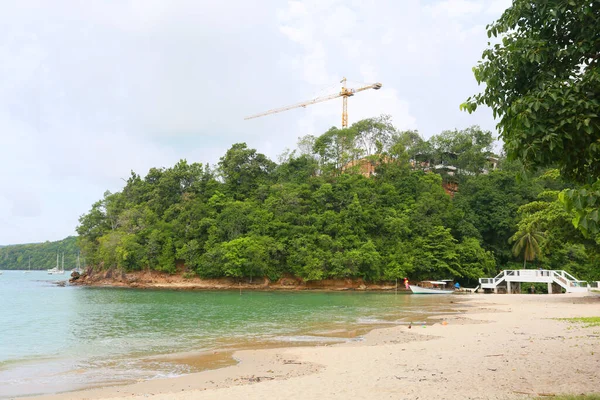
344 93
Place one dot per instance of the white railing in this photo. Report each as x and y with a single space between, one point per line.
568 280
563 278
500 276
492 281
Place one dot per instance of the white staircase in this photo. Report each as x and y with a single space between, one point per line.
508 277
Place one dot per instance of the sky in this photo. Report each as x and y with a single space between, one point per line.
91 90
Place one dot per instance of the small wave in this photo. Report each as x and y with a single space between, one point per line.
167 375
368 321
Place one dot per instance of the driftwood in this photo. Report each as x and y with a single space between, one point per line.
535 394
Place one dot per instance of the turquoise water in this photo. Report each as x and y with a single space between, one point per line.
63 338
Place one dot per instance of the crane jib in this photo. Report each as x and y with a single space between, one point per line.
344 93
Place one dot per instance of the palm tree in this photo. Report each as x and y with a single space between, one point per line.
528 239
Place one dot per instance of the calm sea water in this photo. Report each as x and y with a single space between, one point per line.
63 338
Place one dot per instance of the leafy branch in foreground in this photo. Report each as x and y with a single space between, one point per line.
542 81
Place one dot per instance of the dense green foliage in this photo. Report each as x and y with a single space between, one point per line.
43 255
543 83
314 215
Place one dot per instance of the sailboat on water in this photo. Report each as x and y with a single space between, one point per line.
56 270
29 270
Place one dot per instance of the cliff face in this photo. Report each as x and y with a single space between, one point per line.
182 281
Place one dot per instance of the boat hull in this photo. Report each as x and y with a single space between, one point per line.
55 271
422 290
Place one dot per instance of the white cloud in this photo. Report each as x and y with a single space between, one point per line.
92 90
456 8
338 29
497 7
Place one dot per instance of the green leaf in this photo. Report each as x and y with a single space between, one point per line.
583 223
593 215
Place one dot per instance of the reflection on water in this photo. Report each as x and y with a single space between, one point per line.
62 338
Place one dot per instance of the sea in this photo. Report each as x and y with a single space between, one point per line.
57 338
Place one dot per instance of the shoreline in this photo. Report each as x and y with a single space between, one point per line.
227 353
240 364
351 314
497 347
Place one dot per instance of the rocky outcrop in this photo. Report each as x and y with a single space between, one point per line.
185 281
74 277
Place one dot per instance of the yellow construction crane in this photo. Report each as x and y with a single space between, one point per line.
344 94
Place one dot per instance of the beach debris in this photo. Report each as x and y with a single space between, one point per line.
494 355
444 323
292 362
257 378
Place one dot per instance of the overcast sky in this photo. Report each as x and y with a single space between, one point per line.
90 90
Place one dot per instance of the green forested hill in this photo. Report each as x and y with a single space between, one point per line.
364 202
43 255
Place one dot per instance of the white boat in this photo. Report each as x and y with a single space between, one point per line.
431 287
56 270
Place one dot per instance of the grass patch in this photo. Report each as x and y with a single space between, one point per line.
588 321
572 397
189 275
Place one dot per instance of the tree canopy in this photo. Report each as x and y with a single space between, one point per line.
366 202
542 82
42 255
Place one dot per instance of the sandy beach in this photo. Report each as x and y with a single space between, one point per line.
495 347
